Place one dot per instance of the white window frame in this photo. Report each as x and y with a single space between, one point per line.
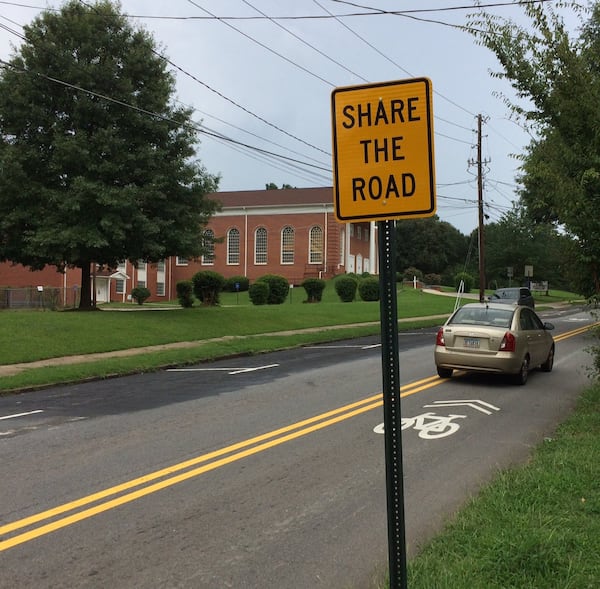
315 245
260 246
141 274
288 245
160 278
233 247
208 259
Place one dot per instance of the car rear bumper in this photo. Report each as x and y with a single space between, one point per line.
499 362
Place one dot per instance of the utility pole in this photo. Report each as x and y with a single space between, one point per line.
481 241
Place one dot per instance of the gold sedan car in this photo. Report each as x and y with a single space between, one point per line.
494 337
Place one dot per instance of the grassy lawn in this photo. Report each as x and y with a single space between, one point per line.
33 335
534 527
29 336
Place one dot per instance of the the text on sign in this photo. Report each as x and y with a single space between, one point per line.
385 149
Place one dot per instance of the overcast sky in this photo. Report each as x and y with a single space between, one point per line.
266 83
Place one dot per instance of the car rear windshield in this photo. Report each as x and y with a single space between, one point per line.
507 293
483 316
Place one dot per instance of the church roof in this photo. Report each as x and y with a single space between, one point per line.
270 198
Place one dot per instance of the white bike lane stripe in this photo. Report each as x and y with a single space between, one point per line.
431 426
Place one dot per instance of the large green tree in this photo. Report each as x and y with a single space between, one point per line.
97 164
515 241
429 244
557 84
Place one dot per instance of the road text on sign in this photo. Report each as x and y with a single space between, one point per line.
383 163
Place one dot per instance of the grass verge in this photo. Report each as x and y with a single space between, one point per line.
32 378
534 527
27 336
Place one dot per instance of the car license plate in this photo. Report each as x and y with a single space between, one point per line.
471 342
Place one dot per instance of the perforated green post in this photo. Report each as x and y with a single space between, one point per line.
391 405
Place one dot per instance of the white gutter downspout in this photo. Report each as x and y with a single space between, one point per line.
245 242
170 276
347 262
125 282
326 242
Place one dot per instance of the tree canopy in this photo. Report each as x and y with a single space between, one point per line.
557 83
515 241
97 163
430 245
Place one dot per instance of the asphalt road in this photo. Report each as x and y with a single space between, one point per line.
259 472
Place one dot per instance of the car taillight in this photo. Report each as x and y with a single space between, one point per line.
508 343
439 340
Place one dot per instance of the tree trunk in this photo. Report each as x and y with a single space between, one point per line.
85 301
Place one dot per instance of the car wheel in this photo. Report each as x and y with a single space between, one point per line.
444 372
549 363
521 376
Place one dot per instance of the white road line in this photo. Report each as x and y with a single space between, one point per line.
229 370
21 414
241 370
200 369
343 347
473 403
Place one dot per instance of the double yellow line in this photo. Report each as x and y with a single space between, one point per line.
574 332
67 514
45 522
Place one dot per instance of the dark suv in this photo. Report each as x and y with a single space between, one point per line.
519 295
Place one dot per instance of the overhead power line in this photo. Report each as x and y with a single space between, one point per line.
230 100
195 126
264 46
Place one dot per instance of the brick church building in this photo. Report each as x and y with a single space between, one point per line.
291 232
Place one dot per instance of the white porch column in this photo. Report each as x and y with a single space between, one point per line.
347 260
373 248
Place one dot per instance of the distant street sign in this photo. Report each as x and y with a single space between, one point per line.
383 150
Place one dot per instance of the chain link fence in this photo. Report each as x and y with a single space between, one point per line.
36 297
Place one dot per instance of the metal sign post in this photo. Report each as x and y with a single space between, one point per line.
383 169
391 405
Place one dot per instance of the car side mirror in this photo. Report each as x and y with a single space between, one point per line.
549 326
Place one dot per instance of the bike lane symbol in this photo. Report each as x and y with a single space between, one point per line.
429 425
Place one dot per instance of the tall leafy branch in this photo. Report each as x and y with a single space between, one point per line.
556 78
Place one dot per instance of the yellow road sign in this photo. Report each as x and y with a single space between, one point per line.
383 164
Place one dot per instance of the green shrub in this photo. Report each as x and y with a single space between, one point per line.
410 273
139 294
368 289
185 289
279 288
259 293
207 286
466 278
345 288
432 279
242 281
314 288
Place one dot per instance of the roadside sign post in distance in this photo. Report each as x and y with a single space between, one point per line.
383 169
